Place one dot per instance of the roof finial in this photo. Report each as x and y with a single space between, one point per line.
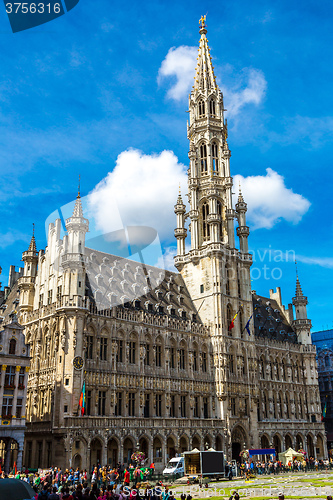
202 21
79 188
33 229
180 190
296 268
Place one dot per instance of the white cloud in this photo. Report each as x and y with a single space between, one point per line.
253 93
142 189
7 239
269 200
319 261
166 261
180 63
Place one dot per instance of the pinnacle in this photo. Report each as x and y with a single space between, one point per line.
78 211
204 78
32 246
299 293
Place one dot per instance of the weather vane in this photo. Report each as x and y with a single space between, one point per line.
202 21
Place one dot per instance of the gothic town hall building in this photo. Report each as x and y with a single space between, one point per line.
164 370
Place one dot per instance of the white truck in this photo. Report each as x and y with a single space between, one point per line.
175 467
201 464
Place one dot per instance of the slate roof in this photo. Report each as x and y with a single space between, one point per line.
270 322
115 281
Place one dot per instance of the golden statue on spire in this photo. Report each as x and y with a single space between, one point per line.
202 21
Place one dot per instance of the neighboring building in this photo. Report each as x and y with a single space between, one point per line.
324 344
14 365
164 370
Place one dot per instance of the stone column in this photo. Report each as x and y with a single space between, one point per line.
20 442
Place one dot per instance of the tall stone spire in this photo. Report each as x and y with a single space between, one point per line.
32 247
204 79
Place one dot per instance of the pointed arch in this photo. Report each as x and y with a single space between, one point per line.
203 158
215 157
205 225
201 108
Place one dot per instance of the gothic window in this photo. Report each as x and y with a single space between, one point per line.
241 322
274 408
205 407
287 415
182 358
195 360
183 406
131 404
89 350
119 404
219 213
146 409
101 402
327 361
88 405
172 405
172 357
201 108
131 352
212 107
230 316
233 406
215 157
203 157
12 346
103 348
204 361
158 404
205 225
159 355
227 283
262 366
196 407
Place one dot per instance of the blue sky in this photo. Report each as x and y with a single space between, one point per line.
77 93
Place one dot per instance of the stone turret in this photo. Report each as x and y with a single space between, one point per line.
27 281
301 323
242 231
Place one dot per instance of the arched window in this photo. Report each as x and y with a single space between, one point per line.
12 346
205 225
262 368
241 317
212 107
215 157
203 156
279 406
219 213
230 316
227 283
201 107
265 406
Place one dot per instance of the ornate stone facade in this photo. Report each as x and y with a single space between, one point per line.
170 361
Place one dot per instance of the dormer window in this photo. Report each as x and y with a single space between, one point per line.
201 107
150 308
12 346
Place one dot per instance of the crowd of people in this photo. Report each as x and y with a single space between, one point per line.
247 468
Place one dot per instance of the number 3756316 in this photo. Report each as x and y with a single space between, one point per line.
32 8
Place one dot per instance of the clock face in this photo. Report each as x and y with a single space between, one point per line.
78 362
